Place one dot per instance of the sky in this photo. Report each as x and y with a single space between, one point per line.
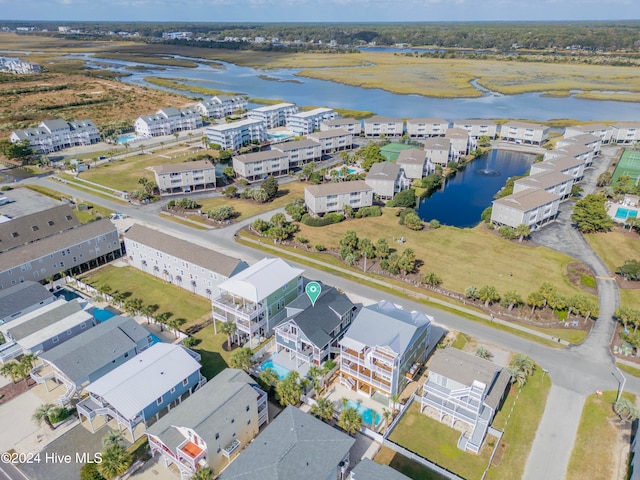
317 10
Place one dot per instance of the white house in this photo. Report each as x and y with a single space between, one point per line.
461 142
568 165
232 136
53 135
426 127
273 115
220 106
167 121
599 130
525 133
383 126
258 165
333 197
586 139
300 152
478 127
584 153
554 182
387 179
185 177
439 152
303 123
414 163
185 264
625 133
351 125
532 207
21 299
333 140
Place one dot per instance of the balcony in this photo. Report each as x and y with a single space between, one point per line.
232 447
230 308
190 453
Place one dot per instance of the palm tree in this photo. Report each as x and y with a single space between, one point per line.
161 318
387 415
512 299
174 324
148 311
113 437
104 290
323 409
118 298
228 328
520 368
289 389
42 415
11 369
203 474
115 461
535 300
625 409
269 377
488 294
27 361
316 373
395 400
350 420
483 352
241 358
523 231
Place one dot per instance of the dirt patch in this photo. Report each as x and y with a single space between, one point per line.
497 458
577 273
12 390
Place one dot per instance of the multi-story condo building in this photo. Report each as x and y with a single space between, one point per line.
585 139
300 152
177 35
568 165
23 298
90 355
382 347
76 249
143 388
333 140
221 106
386 179
599 130
255 299
553 182
274 115
625 133
439 152
333 197
426 127
294 445
53 135
414 163
582 152
461 142
185 264
167 121
383 126
258 165
351 125
465 388
185 177
232 136
211 426
525 133
303 123
478 128
529 207
310 333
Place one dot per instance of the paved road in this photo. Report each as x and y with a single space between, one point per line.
9 472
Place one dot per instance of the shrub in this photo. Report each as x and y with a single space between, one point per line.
373 211
58 414
231 191
434 224
89 471
413 221
630 270
223 212
320 248
243 181
328 219
507 232
270 185
189 342
404 199
296 209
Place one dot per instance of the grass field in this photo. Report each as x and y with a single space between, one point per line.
214 357
461 257
594 454
629 165
411 469
85 216
152 291
248 208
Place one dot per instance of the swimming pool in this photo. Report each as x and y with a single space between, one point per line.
365 413
102 314
68 295
129 137
279 369
624 213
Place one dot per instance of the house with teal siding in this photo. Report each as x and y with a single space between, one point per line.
255 299
144 388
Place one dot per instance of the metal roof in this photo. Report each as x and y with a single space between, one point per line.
140 381
36 339
261 279
295 445
45 319
23 295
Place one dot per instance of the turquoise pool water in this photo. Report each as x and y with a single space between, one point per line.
365 413
624 213
126 138
279 369
102 314
68 295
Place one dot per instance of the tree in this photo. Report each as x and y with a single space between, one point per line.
413 221
113 437
270 185
535 300
115 461
229 172
366 248
133 306
626 409
231 191
25 365
547 290
348 243
483 352
259 225
147 311
590 214
11 370
241 358
404 199
222 213
204 473
104 290
323 409
228 328
488 294
432 279
90 471
269 377
42 415
161 319
117 298
174 324
382 248
520 368
626 315
522 231
630 270
350 420
260 195
289 389
484 141
471 292
512 299
507 232
407 261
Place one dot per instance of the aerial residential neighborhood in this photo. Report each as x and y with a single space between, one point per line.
383 250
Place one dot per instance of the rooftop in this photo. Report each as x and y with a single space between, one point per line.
259 156
528 199
456 132
413 156
188 251
295 145
437 143
43 318
379 119
462 367
559 163
21 202
431 121
385 171
475 121
23 295
295 445
545 180
183 167
234 125
369 470
334 132
336 188
311 113
531 126
341 121
270 108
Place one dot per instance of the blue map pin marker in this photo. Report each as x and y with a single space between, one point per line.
313 290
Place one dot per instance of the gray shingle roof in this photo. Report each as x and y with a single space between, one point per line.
318 321
463 367
21 296
333 133
206 408
528 199
437 143
260 156
74 236
335 188
295 445
545 180
55 124
42 321
370 470
341 121
38 225
379 119
385 324
288 146
183 167
384 171
190 252
413 156
97 347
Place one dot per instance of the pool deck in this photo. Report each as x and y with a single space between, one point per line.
337 392
612 209
283 360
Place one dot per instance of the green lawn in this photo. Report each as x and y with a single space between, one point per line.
593 454
248 208
411 469
214 357
152 291
630 370
438 442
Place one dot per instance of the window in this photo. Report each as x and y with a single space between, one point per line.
55 339
159 401
126 355
247 408
249 422
69 332
15 235
218 450
35 228
217 436
233 420
185 382
51 223
83 326
173 390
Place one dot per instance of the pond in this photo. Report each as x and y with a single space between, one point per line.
463 198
